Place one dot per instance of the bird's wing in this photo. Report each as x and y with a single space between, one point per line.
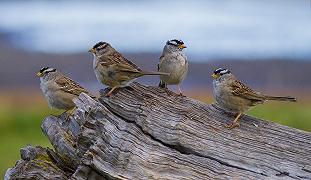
118 67
123 72
160 60
69 86
240 89
118 58
161 57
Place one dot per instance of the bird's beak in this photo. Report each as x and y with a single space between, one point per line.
215 76
182 46
92 50
39 74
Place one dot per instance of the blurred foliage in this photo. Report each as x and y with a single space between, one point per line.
21 118
295 115
20 125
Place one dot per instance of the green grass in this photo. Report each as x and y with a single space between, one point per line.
297 115
20 124
18 128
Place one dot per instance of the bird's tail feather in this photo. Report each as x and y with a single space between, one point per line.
154 73
279 98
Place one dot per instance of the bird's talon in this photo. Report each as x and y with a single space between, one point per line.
232 125
168 92
181 95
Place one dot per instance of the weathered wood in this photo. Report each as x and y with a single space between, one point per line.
36 164
143 133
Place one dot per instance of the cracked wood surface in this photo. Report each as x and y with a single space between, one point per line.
143 133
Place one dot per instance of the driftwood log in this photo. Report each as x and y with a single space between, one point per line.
143 133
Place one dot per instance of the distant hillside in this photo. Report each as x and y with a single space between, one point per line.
18 69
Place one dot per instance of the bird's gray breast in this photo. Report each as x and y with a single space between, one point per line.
221 94
216 89
176 64
98 70
48 89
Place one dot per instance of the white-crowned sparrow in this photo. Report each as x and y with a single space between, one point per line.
174 61
114 70
234 96
59 90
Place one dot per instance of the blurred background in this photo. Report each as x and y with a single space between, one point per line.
266 44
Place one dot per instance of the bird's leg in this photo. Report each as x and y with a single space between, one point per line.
235 123
70 112
110 92
180 93
60 116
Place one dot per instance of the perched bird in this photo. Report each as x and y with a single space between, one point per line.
174 61
232 95
114 70
59 90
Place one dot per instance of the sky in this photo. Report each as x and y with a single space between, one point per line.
213 29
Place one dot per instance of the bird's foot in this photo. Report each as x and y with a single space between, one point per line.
69 113
181 95
232 125
68 116
110 92
108 95
179 90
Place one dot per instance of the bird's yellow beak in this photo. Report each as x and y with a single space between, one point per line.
182 46
92 50
39 74
215 76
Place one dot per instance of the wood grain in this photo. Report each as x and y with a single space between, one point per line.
144 133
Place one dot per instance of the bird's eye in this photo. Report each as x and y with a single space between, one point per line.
49 70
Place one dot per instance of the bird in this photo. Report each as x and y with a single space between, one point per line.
174 61
234 96
114 70
59 90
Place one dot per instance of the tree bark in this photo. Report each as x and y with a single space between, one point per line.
146 133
